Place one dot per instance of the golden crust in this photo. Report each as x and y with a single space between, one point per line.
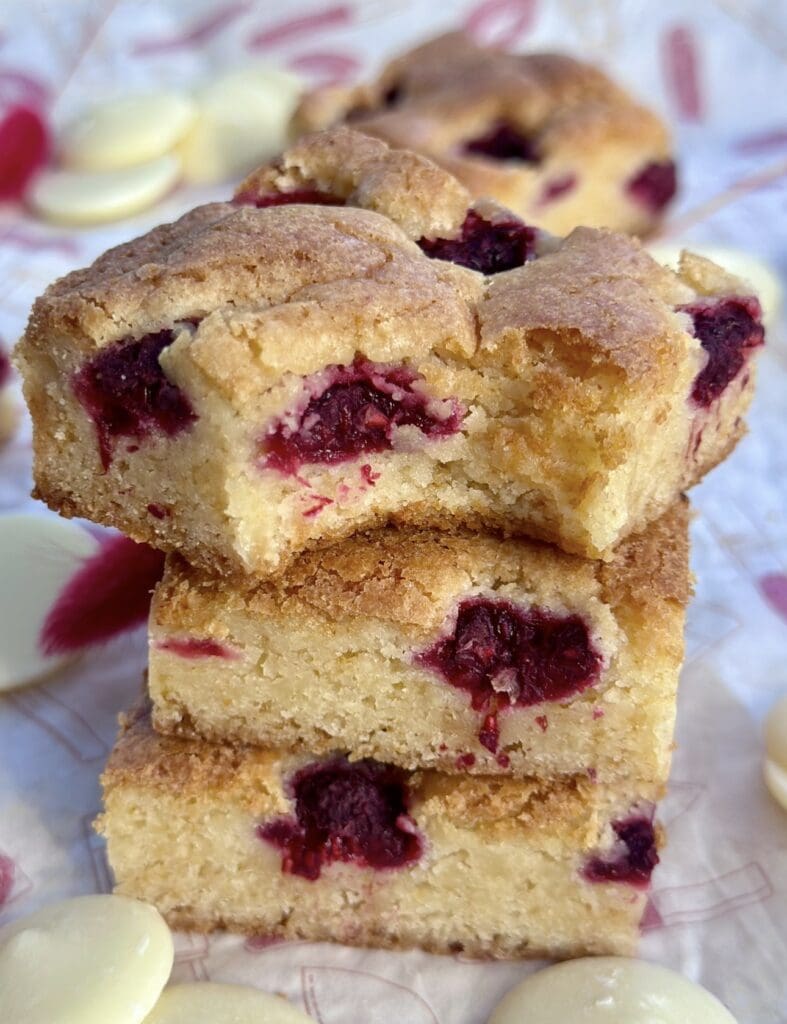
606 298
554 302
403 575
450 89
574 369
144 759
141 757
651 566
499 949
419 196
224 256
450 78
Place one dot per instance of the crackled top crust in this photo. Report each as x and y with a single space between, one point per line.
237 259
301 286
445 90
422 198
571 808
406 576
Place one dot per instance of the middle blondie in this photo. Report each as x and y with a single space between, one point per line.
461 652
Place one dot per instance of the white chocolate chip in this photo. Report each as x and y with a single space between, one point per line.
38 555
776 733
209 1003
609 990
74 197
775 767
755 272
242 121
91 960
776 781
126 131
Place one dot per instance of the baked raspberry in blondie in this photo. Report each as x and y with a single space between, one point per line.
460 652
324 848
549 136
264 376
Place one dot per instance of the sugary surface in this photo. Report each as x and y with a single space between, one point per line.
553 399
548 135
90 960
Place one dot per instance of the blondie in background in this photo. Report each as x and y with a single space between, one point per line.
718 70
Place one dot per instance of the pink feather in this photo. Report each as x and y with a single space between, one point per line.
108 595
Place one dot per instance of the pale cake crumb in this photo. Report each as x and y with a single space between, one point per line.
326 656
500 868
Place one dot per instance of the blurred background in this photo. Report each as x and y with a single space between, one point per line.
716 69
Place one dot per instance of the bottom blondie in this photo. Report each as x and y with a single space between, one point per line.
359 852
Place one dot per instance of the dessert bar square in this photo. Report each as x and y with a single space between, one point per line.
460 652
358 852
255 380
551 137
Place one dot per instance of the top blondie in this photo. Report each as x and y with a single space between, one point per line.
352 341
551 137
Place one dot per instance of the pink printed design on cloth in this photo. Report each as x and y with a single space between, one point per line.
199 33
501 22
773 587
7 876
680 54
332 995
301 25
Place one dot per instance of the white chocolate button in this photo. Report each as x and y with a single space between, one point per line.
38 556
74 197
776 781
755 272
775 767
242 121
126 131
208 1003
91 960
776 733
609 990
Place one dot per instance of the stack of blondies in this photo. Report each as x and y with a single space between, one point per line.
419 470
